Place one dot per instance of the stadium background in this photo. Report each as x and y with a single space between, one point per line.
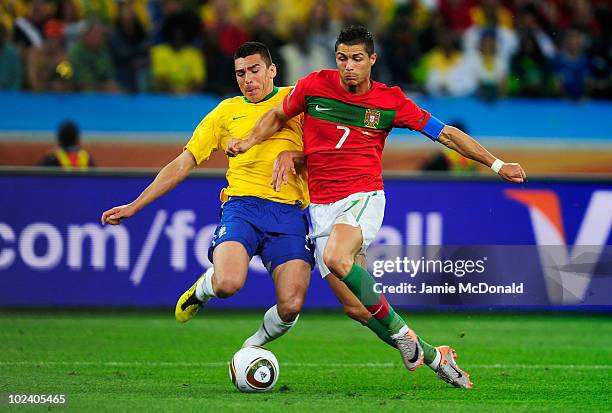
538 94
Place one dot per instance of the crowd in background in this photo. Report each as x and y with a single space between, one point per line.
487 48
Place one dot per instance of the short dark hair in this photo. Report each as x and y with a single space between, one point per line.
68 134
251 48
353 35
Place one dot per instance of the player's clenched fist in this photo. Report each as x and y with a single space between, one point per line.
513 172
236 146
115 215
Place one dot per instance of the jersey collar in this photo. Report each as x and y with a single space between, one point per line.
268 96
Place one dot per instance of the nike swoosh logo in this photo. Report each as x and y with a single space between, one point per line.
319 108
238 117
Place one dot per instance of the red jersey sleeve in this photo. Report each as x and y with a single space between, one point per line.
295 102
409 114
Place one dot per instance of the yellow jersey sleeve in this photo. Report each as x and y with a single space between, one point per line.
206 138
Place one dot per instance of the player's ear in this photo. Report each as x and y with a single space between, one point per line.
373 58
272 71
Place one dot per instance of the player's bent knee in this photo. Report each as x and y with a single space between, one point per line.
338 264
289 310
227 287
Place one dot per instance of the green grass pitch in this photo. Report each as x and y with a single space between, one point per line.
146 361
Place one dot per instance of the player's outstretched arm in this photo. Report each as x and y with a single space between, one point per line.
170 175
285 162
271 122
467 146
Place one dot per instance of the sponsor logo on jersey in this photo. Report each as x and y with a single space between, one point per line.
372 117
320 109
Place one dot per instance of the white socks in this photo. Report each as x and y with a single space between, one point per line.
204 288
271 328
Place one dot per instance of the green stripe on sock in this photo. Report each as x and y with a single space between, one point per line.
428 350
381 331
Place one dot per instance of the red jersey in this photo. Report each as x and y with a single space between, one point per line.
344 134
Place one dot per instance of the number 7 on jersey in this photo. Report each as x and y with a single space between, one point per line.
344 135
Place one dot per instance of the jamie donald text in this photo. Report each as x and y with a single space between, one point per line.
436 268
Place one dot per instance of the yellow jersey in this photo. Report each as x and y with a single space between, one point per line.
250 173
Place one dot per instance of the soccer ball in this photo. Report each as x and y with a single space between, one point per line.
254 369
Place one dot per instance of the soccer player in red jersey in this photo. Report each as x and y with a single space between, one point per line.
347 119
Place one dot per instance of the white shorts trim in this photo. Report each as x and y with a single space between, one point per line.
365 210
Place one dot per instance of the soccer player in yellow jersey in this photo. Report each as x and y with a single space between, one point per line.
255 220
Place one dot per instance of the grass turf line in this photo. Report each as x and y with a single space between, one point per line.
147 361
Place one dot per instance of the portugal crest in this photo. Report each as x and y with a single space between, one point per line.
372 117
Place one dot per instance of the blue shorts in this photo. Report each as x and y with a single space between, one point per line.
276 232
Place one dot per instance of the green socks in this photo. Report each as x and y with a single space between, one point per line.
361 283
380 330
382 333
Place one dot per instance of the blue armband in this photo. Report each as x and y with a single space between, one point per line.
433 128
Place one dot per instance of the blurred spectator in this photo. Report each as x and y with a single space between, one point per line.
489 19
579 15
401 48
27 31
130 48
102 10
177 67
349 14
449 160
527 21
456 13
489 67
263 31
443 69
11 69
92 62
530 72
222 37
602 58
323 29
72 18
69 155
428 36
481 15
48 67
572 66
301 57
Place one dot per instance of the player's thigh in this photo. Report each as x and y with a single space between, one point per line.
231 263
356 226
344 240
234 242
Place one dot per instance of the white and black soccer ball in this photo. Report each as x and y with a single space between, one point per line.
254 369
